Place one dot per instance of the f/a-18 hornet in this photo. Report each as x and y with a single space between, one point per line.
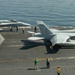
56 37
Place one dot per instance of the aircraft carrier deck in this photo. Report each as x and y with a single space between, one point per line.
17 55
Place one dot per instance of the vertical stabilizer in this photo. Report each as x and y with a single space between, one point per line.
44 29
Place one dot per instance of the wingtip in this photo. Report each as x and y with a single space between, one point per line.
1 39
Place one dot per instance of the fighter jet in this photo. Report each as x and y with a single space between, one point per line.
12 23
56 37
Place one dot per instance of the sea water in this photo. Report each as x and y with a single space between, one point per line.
52 12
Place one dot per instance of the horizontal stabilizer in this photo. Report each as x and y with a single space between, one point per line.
31 32
35 38
35 34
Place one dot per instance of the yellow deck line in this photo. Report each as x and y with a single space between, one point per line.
21 60
31 60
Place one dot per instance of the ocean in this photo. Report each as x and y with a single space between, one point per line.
52 12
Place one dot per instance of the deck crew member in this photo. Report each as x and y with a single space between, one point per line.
36 63
48 62
58 70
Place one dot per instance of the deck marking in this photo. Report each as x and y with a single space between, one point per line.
31 60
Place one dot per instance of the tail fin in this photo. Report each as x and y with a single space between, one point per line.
44 29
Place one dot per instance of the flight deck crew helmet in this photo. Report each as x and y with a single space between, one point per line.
58 66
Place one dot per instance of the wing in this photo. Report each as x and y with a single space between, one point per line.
71 34
59 38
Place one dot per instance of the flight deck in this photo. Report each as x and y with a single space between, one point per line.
17 56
